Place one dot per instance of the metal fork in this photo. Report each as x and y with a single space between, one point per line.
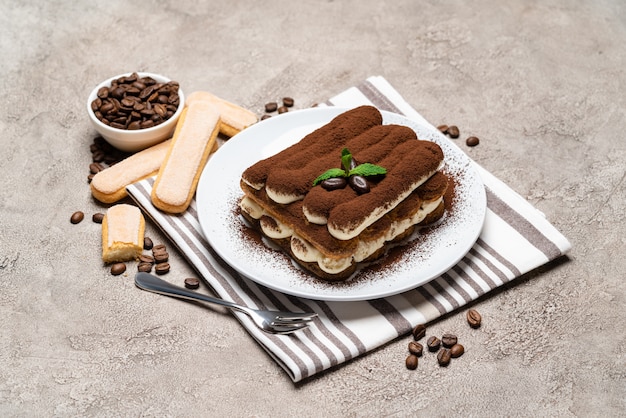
273 322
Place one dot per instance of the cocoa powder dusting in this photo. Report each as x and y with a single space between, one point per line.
407 164
342 127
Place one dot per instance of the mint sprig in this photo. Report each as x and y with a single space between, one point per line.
365 169
329 174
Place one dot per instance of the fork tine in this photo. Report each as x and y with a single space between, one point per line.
288 329
295 317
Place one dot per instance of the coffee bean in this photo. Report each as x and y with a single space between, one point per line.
192 283
102 152
145 258
160 110
411 362
161 256
448 340
288 101
473 318
146 93
134 125
77 217
162 268
97 156
97 217
271 107
359 184
115 104
103 93
453 131
95 168
334 183
107 107
443 357
419 332
433 343
443 129
118 268
265 117
472 141
283 109
144 267
145 124
147 243
457 350
159 247
416 348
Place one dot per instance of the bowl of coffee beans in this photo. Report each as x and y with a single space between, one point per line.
135 110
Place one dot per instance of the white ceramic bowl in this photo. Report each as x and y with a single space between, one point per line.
134 140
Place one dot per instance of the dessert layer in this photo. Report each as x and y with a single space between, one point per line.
313 247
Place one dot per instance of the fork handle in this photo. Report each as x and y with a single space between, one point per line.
153 284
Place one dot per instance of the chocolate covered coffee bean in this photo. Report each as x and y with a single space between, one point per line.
334 183
359 184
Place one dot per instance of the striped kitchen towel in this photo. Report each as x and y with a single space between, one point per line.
515 239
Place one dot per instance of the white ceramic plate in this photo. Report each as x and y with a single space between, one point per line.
429 256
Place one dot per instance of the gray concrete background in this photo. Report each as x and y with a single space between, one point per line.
541 83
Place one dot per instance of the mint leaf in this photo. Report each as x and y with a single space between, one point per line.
333 172
346 159
367 169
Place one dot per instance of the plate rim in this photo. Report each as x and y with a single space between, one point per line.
284 122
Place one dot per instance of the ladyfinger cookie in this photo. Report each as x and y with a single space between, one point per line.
109 185
123 228
193 141
233 118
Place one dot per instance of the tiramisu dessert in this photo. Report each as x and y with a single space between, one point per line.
344 193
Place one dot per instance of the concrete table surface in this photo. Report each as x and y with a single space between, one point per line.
543 84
